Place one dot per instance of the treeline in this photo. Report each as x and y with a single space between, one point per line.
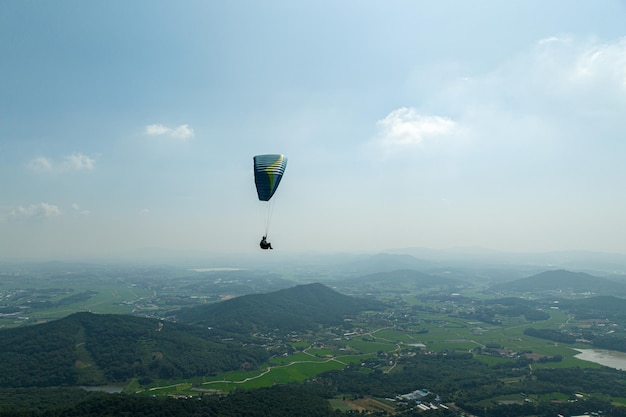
458 378
550 334
491 311
279 401
603 307
439 373
615 341
608 381
470 383
547 409
66 301
612 342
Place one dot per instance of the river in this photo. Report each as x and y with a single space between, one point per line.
610 358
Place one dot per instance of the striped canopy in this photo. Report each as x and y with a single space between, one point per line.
268 171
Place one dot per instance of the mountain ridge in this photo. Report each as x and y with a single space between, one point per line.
564 280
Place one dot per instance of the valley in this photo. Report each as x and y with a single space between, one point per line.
369 341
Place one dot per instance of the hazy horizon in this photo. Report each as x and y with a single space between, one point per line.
484 124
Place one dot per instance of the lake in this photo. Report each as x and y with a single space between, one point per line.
610 358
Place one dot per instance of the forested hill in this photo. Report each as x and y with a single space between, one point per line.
88 349
564 281
600 307
298 308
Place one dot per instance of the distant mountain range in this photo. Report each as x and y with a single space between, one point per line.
381 262
397 281
407 258
565 282
91 349
571 260
409 277
304 307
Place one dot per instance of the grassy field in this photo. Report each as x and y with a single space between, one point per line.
442 335
45 304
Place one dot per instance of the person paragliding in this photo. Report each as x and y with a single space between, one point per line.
265 244
268 171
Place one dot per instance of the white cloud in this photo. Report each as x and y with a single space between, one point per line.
78 162
182 132
558 74
552 39
40 164
79 210
74 162
407 127
602 63
157 130
35 211
549 120
560 91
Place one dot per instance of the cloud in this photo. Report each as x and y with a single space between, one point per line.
600 67
407 127
559 74
182 132
559 91
561 96
79 210
78 162
157 130
550 119
35 211
551 39
40 164
74 162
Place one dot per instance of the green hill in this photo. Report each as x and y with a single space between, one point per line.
300 308
600 307
91 349
564 282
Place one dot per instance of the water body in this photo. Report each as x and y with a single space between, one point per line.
610 358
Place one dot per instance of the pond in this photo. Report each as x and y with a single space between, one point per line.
610 358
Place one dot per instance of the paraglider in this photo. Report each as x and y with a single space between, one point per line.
268 171
265 244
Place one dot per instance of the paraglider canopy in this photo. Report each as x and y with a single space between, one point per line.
268 171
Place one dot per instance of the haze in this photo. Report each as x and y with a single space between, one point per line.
130 125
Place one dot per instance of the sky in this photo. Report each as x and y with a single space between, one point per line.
438 124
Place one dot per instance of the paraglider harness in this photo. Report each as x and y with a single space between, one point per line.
265 244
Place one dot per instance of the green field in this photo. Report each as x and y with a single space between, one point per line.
457 335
